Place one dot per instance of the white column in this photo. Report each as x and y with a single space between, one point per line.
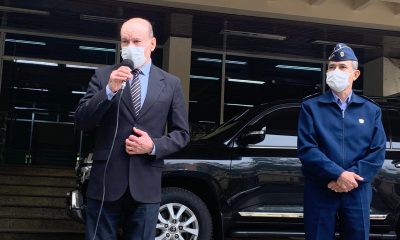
177 60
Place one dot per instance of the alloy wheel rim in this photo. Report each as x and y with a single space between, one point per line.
176 221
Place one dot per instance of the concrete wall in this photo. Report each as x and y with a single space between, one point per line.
382 77
391 77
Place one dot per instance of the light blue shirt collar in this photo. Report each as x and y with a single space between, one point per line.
338 99
145 69
342 105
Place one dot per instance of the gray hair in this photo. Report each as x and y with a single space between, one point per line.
355 64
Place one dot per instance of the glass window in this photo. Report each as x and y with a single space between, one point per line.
358 85
41 101
157 56
205 92
252 81
207 32
386 125
395 128
53 89
280 127
17 142
43 81
66 17
19 45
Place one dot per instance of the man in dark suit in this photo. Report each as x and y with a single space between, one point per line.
126 172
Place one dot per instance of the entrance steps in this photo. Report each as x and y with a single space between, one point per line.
32 203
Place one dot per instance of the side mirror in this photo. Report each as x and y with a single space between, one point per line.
252 137
396 164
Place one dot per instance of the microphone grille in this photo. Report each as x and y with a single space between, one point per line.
128 63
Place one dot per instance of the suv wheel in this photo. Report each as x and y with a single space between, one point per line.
183 216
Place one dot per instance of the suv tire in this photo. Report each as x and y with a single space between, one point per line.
183 215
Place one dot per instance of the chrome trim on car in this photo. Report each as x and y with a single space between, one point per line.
296 215
271 214
392 150
266 147
378 216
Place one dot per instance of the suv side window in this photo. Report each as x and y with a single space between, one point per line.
386 125
280 127
395 128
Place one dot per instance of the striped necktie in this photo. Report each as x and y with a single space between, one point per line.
135 91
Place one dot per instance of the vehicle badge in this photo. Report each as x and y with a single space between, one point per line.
361 121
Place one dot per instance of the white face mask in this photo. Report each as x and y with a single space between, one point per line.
337 80
136 54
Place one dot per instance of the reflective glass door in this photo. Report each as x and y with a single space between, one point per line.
43 80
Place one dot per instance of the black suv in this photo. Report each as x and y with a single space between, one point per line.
244 180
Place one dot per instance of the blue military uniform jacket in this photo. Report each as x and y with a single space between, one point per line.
331 141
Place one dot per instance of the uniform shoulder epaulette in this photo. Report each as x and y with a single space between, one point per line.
369 99
311 96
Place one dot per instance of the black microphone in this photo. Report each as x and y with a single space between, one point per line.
128 63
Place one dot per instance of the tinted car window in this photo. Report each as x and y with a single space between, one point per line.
281 128
386 125
395 128
233 121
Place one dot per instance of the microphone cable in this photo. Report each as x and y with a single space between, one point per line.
108 160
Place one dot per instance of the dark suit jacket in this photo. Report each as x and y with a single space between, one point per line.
164 106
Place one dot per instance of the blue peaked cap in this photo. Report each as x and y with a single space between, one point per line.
342 52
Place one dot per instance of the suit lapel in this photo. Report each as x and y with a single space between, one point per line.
154 88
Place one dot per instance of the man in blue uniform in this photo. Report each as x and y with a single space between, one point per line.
341 144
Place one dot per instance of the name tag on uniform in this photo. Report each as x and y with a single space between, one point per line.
361 121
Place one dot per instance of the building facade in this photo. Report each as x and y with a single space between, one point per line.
230 55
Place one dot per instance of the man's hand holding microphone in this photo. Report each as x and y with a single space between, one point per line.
121 75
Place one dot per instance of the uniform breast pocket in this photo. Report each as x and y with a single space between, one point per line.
360 129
